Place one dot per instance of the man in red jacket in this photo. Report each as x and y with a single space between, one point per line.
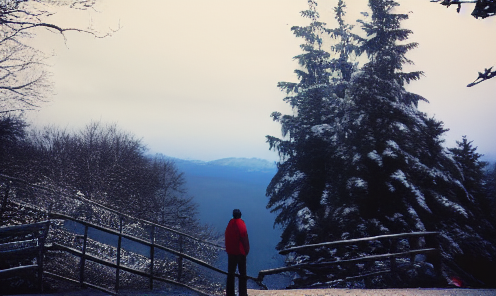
237 247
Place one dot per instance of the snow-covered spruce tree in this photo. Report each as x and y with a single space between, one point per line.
402 178
490 190
371 163
480 203
296 190
396 175
472 167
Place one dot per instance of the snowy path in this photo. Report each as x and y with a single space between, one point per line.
375 292
308 292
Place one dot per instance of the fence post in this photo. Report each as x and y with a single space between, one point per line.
119 243
392 259
433 242
152 255
180 260
83 257
41 253
414 244
5 198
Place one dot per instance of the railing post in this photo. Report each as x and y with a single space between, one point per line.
152 255
119 243
433 242
180 260
5 199
83 257
41 253
414 244
392 259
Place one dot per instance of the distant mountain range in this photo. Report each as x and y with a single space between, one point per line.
247 164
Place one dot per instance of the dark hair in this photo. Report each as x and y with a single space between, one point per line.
236 214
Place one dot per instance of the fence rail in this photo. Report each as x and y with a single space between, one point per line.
96 204
114 226
22 243
176 242
391 256
152 245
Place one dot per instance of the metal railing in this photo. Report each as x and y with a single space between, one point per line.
19 245
92 215
429 242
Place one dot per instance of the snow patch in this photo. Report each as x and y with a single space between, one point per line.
319 130
454 206
349 210
418 224
304 219
295 177
379 225
389 153
356 75
356 158
400 176
356 182
401 126
393 144
421 200
454 245
324 199
390 187
375 157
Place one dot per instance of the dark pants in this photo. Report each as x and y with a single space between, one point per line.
234 261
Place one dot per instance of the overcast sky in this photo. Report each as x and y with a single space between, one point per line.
196 79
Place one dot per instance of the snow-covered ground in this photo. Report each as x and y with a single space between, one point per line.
375 292
303 292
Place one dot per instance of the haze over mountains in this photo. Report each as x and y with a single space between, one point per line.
222 185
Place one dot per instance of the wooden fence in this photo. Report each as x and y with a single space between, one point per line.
114 228
151 244
19 245
430 242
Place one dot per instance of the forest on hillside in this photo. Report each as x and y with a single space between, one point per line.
99 161
359 159
88 174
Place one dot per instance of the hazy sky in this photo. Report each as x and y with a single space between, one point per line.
197 79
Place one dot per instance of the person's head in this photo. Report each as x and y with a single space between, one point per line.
236 214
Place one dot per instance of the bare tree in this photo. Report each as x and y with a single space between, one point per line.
174 206
12 133
482 9
23 79
24 82
110 166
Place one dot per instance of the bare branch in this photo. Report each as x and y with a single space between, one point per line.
23 83
14 110
29 25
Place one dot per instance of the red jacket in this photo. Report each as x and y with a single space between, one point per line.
237 238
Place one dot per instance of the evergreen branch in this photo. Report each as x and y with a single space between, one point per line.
483 8
289 87
488 74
